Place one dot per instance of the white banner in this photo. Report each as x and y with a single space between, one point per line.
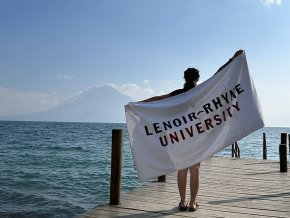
177 132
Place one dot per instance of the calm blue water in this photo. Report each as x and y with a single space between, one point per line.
52 169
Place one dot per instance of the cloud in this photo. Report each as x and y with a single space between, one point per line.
18 102
135 91
146 82
145 90
269 3
65 76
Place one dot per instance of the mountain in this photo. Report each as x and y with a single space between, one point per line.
97 104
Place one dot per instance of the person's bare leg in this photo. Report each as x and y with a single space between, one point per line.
181 181
194 184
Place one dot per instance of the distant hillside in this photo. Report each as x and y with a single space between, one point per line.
98 104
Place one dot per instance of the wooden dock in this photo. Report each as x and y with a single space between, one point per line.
229 188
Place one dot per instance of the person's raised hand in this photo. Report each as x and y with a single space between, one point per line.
237 54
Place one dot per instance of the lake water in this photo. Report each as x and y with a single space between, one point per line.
53 169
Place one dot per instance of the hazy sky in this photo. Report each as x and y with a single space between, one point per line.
52 49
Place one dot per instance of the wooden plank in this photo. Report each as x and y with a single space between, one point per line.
229 188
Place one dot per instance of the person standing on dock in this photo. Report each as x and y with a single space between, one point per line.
191 77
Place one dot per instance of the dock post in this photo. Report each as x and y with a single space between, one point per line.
116 166
284 138
236 150
264 147
162 178
283 152
289 142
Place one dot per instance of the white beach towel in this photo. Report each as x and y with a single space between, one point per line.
185 129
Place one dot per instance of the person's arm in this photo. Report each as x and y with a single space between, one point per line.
156 98
231 59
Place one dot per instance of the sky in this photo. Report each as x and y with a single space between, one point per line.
51 50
